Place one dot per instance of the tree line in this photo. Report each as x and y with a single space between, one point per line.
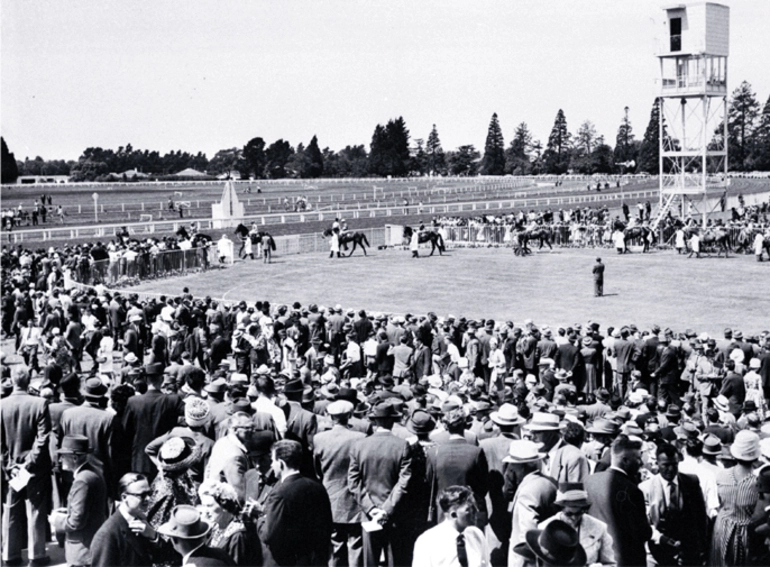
392 152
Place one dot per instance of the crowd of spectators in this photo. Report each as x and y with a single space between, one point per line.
182 430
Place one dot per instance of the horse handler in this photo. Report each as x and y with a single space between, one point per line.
335 244
414 244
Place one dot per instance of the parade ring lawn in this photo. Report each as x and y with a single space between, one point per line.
550 287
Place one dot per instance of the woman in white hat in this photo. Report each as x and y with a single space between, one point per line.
753 383
738 496
594 537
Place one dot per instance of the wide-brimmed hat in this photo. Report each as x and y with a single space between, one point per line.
420 422
572 494
687 430
542 421
74 445
130 358
557 544
722 403
562 374
712 445
745 447
523 451
185 523
603 426
95 389
294 386
263 370
383 410
673 410
508 414
178 453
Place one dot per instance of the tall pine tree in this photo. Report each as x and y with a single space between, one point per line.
625 149
649 151
434 154
556 157
254 157
762 135
10 170
389 150
517 155
741 123
315 161
493 162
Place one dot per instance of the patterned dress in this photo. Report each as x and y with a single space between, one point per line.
738 499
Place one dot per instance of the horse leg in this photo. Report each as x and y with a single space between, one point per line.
548 242
432 247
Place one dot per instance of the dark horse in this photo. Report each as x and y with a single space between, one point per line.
435 239
633 233
197 239
713 238
260 237
524 235
357 238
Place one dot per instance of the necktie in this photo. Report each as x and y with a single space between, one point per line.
462 554
673 497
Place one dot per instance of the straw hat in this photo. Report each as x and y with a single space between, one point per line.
523 451
178 453
572 494
508 414
542 421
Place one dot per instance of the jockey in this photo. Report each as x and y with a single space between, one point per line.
343 227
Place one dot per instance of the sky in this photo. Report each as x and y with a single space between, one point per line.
204 75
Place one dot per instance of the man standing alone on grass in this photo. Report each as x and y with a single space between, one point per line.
598 278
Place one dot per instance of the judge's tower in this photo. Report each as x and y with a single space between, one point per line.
693 107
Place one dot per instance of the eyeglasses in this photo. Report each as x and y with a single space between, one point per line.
140 495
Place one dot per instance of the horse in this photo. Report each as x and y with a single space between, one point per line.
435 239
542 235
632 233
357 238
260 237
521 247
714 237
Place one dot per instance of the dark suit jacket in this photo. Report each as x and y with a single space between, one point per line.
569 358
458 463
97 425
86 512
379 473
26 426
688 526
667 371
332 461
148 416
625 351
297 523
618 502
302 425
735 390
115 545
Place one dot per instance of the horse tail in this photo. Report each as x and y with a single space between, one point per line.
364 239
271 241
440 242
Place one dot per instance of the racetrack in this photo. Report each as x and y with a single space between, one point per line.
553 288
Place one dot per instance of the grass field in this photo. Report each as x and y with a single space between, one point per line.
553 288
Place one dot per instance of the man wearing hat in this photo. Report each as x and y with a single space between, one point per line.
132 338
93 421
71 397
508 421
534 497
187 533
733 388
677 512
148 416
301 424
87 503
666 374
331 457
379 474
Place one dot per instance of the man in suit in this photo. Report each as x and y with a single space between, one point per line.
71 397
127 538
292 534
92 420
332 461
617 501
362 327
187 534
132 339
534 499
598 271
301 424
379 474
569 358
677 512
149 416
402 355
667 372
733 388
87 504
456 462
625 353
26 425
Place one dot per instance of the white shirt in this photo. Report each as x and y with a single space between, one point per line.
266 405
437 547
708 483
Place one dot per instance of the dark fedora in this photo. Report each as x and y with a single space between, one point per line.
154 369
420 422
95 389
383 410
603 427
294 386
386 380
185 523
74 445
673 411
557 544
348 394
